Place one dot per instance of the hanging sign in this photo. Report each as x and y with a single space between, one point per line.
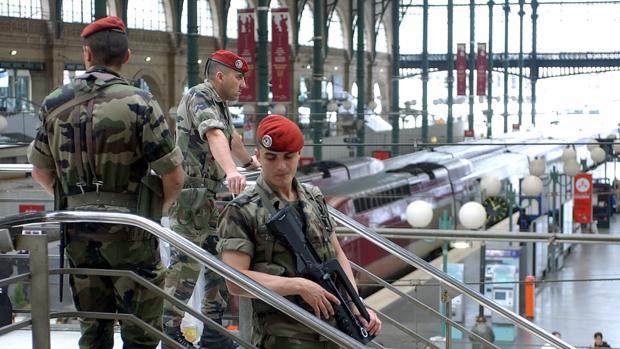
280 56
461 69
246 48
481 69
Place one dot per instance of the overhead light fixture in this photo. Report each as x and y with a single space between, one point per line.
381 70
147 58
13 52
200 61
308 66
335 67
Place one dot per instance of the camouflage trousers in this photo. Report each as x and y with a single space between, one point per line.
198 226
273 342
116 294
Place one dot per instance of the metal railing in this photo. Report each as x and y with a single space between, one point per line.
39 272
448 282
458 235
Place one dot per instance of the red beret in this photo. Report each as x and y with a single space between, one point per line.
277 133
230 60
106 23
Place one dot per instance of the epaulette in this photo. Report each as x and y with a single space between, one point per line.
244 199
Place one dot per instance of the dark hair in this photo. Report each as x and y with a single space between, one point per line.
108 47
556 333
481 318
213 67
598 334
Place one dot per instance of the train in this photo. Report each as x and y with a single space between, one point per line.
446 178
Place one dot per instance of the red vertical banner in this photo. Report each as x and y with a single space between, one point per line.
481 69
246 48
280 56
461 68
582 206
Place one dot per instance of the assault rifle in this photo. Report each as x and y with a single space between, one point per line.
285 226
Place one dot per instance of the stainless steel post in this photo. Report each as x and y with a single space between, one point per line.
39 295
245 321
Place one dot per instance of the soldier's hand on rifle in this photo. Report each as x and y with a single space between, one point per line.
373 326
235 182
319 299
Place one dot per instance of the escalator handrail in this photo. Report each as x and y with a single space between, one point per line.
446 280
195 251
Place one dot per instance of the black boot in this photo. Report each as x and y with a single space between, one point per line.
176 335
211 339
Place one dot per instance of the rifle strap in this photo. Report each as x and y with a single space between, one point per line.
272 210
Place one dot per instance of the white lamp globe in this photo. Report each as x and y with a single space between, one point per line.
419 214
372 105
593 143
3 123
569 154
598 155
472 215
491 185
571 168
531 186
248 109
537 167
347 104
611 136
616 146
279 109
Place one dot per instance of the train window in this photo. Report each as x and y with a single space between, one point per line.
367 203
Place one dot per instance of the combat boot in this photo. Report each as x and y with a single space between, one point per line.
211 339
176 335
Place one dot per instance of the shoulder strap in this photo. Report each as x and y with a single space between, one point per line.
75 101
321 206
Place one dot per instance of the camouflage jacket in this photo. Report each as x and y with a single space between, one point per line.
129 134
242 228
200 110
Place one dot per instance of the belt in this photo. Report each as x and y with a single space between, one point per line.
201 182
93 198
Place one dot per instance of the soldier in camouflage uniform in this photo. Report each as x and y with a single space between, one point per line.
207 137
247 245
98 138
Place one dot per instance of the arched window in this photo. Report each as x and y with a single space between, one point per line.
306 27
336 31
77 11
366 47
146 14
276 4
21 8
381 44
205 18
231 18
376 90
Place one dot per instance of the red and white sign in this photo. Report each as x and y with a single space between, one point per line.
582 207
280 56
246 48
27 208
481 70
461 69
